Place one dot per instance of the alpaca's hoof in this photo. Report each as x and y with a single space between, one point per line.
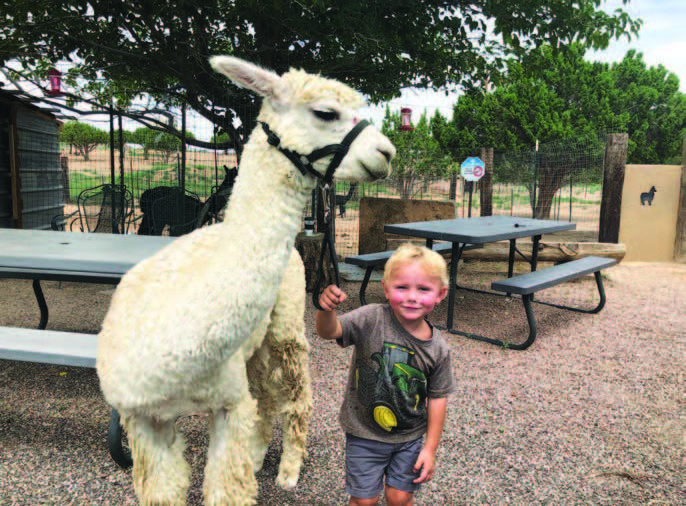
287 482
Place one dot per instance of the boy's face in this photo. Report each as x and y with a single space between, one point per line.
412 292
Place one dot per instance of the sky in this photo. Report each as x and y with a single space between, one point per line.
662 40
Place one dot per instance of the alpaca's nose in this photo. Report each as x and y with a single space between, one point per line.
388 155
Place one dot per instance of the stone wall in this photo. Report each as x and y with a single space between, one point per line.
376 212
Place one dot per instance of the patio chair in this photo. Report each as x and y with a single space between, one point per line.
104 208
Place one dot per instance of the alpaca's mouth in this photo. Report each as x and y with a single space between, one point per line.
373 175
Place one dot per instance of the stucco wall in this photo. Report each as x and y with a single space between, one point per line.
649 230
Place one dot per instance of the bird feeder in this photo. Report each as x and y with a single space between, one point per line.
406 119
55 77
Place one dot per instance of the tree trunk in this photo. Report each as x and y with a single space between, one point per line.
486 183
310 248
550 181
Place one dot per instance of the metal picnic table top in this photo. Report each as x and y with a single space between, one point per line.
71 256
75 251
479 230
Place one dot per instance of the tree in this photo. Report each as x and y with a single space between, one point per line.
120 50
83 137
572 100
143 136
651 108
418 155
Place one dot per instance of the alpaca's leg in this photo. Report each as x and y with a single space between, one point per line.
296 415
229 475
290 381
160 473
258 370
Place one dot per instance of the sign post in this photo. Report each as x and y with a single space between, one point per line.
472 169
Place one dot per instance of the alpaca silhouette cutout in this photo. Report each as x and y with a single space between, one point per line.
342 200
648 196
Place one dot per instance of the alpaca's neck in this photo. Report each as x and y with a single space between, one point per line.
266 205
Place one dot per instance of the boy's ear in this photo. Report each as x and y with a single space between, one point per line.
442 293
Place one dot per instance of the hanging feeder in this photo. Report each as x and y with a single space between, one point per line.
406 119
55 77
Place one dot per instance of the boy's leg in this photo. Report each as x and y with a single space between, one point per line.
400 475
395 497
365 466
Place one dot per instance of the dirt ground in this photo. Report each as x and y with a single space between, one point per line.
592 413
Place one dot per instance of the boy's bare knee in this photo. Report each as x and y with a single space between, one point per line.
395 497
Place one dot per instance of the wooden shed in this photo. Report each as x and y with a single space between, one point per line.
31 181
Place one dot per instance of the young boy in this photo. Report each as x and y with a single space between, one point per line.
399 380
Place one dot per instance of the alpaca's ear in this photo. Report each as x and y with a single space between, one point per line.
248 75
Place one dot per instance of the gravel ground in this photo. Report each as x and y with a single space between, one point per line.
592 413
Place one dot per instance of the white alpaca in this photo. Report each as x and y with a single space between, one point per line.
219 312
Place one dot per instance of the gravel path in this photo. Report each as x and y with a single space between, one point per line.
592 413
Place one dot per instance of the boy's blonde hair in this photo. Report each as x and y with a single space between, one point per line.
434 263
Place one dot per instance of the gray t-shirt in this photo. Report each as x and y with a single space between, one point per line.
391 376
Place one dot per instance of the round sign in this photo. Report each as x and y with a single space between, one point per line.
472 169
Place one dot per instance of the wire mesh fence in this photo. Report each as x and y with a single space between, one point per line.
141 171
511 199
558 181
572 195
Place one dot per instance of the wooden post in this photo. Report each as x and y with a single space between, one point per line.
64 167
486 183
452 192
680 240
613 184
15 170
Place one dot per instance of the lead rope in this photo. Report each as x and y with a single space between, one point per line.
327 243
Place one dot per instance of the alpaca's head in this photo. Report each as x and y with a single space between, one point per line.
308 112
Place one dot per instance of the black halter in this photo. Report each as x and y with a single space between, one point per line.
304 165
304 162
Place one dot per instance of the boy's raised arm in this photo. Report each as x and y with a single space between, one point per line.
327 323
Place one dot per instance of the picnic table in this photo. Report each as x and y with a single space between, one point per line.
464 232
38 255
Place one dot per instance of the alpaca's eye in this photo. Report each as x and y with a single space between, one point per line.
326 115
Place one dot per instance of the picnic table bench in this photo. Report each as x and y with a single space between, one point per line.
528 284
67 349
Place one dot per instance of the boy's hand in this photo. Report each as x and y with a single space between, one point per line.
426 463
331 298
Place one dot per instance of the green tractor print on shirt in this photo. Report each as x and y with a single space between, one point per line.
395 393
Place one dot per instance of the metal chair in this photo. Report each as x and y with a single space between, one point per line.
104 208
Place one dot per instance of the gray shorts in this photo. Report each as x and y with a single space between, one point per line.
367 462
